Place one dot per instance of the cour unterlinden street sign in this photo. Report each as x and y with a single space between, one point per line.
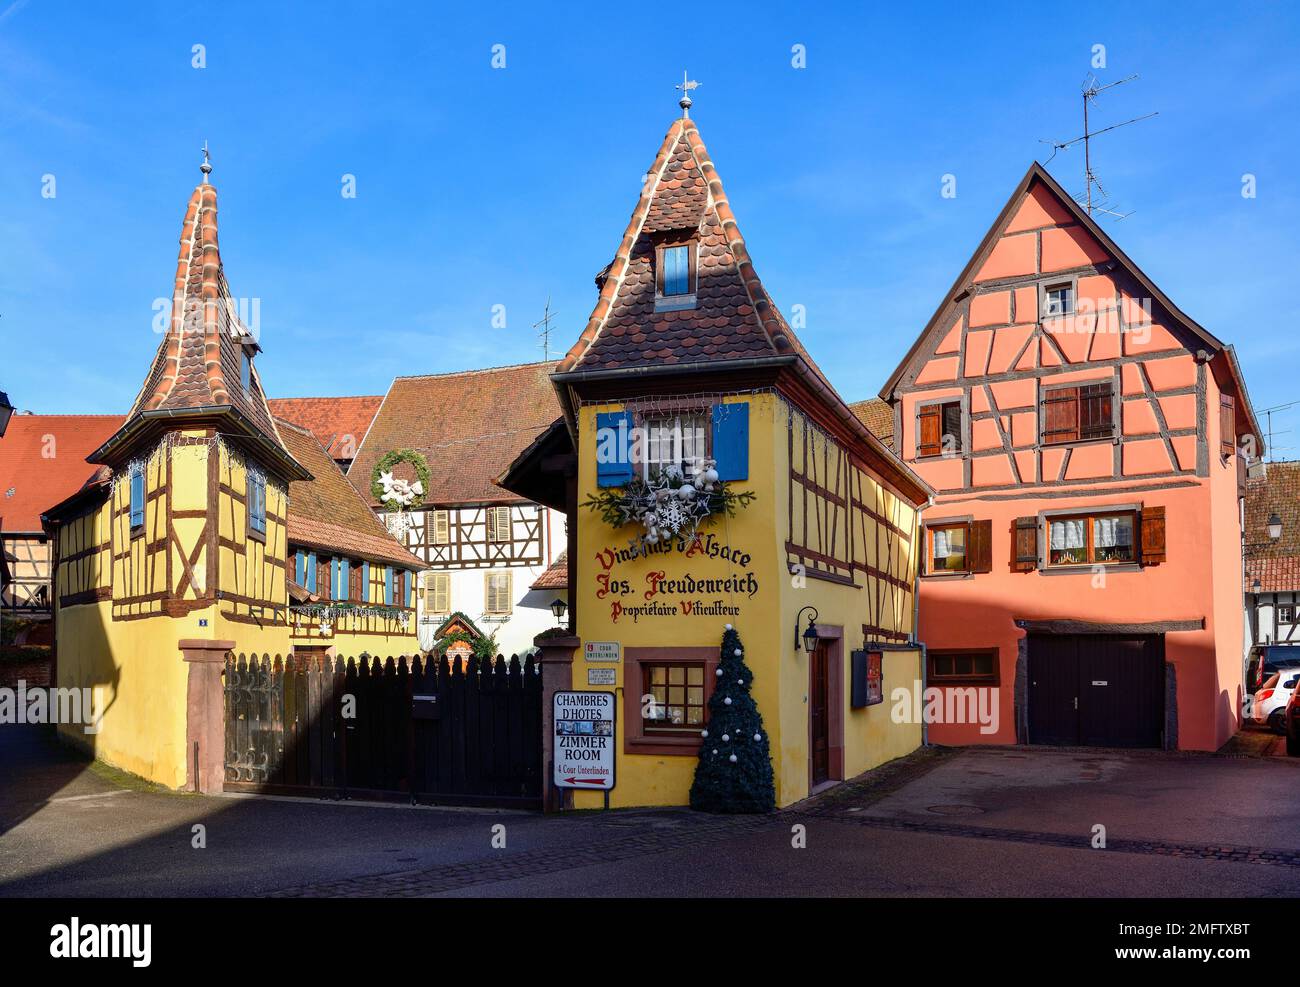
584 740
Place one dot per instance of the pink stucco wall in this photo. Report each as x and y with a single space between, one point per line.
996 354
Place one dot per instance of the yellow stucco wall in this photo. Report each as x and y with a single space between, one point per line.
765 621
125 644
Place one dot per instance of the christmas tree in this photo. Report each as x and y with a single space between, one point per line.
734 773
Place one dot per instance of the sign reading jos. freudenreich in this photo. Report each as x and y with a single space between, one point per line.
584 740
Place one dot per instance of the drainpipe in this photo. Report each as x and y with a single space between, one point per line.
916 628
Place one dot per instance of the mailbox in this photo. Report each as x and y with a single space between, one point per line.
866 679
425 708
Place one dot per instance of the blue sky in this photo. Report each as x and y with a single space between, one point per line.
481 186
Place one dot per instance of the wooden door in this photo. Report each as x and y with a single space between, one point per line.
1096 690
1053 689
819 714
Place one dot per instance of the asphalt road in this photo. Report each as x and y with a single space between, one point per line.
965 823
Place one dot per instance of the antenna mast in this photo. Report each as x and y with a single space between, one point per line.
545 323
1091 88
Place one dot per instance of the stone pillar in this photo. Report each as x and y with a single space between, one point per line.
205 719
556 661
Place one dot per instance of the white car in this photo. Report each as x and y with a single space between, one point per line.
1269 704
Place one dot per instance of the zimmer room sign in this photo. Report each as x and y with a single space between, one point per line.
584 740
637 583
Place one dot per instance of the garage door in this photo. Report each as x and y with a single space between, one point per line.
1096 690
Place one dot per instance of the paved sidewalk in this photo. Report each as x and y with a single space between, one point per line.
1007 821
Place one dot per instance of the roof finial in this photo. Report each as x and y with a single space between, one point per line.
686 86
206 167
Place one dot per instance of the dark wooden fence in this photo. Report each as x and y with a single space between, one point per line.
424 729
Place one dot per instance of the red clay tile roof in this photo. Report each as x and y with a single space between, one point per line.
1275 564
556 575
198 363
340 424
326 513
734 317
877 416
30 483
470 426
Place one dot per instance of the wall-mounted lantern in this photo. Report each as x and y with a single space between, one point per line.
1274 527
810 634
558 607
6 412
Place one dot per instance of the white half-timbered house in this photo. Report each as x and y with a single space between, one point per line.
484 547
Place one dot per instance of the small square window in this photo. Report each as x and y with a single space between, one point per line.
1058 300
940 431
1286 614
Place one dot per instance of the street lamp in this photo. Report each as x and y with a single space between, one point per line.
558 607
810 634
1274 527
6 412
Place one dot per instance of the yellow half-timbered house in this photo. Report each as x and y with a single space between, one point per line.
210 521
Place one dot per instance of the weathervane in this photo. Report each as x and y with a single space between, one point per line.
206 167
687 84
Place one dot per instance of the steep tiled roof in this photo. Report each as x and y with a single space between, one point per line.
877 416
556 575
339 423
43 462
326 513
470 426
733 319
1275 564
198 363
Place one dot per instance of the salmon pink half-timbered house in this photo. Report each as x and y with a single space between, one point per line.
1087 441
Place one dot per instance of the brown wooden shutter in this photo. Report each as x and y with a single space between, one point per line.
325 577
1024 544
931 441
1153 535
979 550
354 582
1227 425
1061 415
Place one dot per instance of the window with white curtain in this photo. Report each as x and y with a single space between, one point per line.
1092 539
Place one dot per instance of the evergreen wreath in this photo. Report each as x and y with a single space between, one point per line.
398 494
669 506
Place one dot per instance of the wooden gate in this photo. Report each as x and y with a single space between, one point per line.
1096 690
468 734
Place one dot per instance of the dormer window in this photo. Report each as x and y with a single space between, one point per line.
677 271
675 277
246 370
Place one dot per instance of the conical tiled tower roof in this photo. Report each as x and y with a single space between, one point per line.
198 368
732 318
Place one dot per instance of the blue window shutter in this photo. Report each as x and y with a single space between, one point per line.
300 568
345 578
731 440
616 428
311 572
388 586
365 582
137 499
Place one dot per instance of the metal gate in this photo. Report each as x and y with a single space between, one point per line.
1096 690
463 734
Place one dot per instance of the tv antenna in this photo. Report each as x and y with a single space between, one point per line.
1270 431
1092 87
545 324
